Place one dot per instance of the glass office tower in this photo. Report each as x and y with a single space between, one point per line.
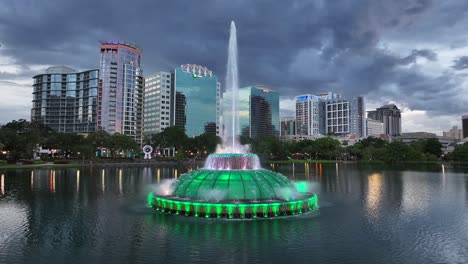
66 100
258 111
195 100
120 94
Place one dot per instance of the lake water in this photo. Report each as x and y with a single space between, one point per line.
368 214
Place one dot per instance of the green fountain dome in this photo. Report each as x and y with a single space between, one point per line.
234 186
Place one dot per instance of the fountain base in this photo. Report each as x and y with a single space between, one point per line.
248 210
233 186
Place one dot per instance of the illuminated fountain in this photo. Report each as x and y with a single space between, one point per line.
232 183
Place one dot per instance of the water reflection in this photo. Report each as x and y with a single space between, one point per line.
77 180
2 184
374 194
52 181
368 215
120 181
32 180
103 180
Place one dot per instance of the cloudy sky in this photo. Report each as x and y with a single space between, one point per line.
410 52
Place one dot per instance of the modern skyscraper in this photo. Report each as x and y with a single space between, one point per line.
358 125
288 126
157 102
66 100
196 100
307 115
465 126
390 116
120 93
258 111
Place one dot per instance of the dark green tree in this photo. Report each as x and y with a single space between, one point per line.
171 137
433 146
460 154
21 138
122 144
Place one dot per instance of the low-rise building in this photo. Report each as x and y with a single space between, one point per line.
375 128
454 133
448 144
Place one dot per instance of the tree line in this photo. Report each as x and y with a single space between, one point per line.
19 139
368 149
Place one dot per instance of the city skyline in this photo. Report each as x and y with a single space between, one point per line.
363 48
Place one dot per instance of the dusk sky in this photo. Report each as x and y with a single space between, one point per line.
410 52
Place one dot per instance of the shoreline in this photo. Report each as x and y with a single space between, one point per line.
376 162
99 164
188 163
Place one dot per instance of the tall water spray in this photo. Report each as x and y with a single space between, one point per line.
231 142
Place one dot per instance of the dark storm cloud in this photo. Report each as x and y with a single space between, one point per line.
460 63
295 47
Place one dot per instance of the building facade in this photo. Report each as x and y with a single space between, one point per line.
307 115
288 126
454 133
465 126
330 114
390 116
196 100
66 100
358 125
157 103
120 96
375 128
258 111
344 117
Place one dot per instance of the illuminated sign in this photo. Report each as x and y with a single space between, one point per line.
115 42
302 98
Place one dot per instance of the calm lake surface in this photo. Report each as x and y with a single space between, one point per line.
368 214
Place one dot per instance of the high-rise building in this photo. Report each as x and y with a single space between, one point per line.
323 99
66 100
288 126
374 128
454 133
330 114
390 116
307 115
196 100
345 117
358 125
465 126
258 111
157 103
120 93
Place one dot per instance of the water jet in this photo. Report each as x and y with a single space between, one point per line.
232 183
